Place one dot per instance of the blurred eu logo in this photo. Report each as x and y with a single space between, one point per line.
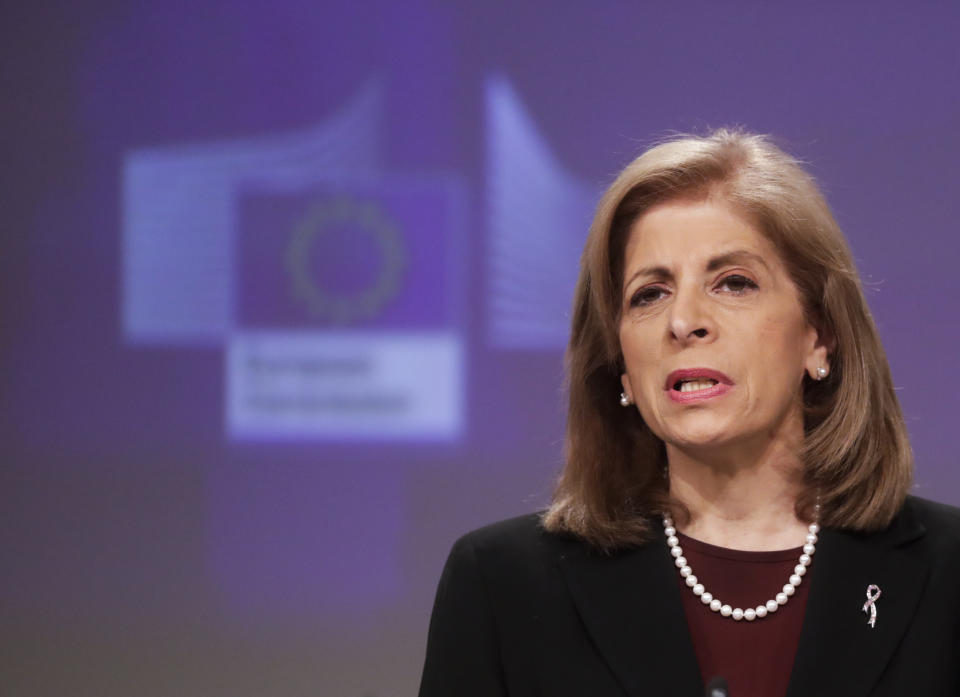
345 259
374 255
334 285
348 319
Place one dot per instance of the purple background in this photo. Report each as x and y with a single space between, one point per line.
144 554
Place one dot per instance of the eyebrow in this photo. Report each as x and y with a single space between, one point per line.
736 256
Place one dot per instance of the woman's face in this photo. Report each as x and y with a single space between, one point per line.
713 335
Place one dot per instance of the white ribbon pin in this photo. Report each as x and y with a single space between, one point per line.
873 594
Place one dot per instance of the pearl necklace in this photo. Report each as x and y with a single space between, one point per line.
750 614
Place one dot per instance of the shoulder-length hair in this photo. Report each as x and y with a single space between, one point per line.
856 456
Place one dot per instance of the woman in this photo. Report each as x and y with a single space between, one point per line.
734 499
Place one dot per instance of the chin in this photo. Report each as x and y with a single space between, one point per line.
698 441
700 436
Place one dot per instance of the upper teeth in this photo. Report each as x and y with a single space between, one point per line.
692 385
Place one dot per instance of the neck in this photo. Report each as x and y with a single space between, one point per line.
740 500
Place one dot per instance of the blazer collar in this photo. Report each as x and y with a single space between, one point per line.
840 654
630 604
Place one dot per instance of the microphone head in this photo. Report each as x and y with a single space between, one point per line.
717 688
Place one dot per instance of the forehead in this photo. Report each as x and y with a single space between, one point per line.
678 233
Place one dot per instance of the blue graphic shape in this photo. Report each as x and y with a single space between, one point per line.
179 217
538 215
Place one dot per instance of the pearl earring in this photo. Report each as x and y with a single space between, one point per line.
625 400
822 373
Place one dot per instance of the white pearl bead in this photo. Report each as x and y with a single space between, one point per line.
698 589
667 521
680 562
673 541
750 614
772 605
737 614
814 528
795 580
706 598
812 538
781 598
788 589
715 605
726 610
676 552
670 531
805 559
761 610
799 569
809 548
691 580
686 571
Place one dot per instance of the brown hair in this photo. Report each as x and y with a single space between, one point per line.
856 455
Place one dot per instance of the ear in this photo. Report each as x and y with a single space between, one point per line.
821 345
625 382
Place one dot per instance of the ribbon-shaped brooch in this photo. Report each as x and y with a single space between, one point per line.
873 594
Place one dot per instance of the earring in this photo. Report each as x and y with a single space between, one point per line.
625 400
822 373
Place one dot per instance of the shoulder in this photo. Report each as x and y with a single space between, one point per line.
514 549
518 537
940 521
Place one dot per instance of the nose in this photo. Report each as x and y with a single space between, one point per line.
690 318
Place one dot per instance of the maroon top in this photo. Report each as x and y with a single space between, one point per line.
754 657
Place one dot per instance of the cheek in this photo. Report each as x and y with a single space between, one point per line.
779 353
639 354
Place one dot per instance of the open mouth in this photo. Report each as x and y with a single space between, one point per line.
694 385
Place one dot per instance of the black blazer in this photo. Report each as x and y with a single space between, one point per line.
523 612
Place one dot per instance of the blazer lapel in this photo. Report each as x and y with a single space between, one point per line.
630 603
839 654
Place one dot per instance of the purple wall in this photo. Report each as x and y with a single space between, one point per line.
284 290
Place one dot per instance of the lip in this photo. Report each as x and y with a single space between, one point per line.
724 384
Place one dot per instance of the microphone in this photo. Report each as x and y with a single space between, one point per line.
717 688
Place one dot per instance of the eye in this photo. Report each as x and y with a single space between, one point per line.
646 296
737 284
